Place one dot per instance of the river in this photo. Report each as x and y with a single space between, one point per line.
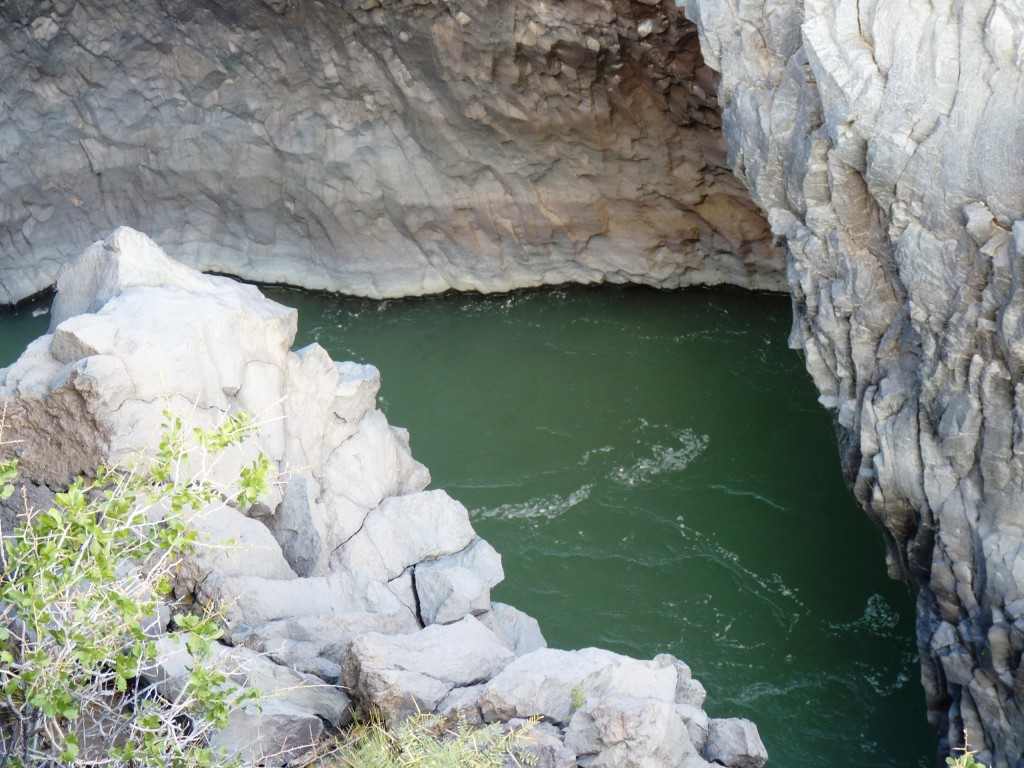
658 476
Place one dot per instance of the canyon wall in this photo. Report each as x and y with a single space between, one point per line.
883 142
394 148
373 148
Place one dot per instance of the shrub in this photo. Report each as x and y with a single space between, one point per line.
85 591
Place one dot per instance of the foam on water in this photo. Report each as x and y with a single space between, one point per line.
879 619
663 459
548 507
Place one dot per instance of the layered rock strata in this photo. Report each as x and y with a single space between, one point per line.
351 586
883 142
373 148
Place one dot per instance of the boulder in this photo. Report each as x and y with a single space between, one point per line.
254 601
371 465
735 742
229 544
543 745
624 732
328 401
299 526
403 531
291 714
517 630
398 675
450 587
546 681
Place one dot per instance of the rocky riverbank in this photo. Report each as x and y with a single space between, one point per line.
351 587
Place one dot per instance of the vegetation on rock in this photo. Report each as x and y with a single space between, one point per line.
85 595
431 741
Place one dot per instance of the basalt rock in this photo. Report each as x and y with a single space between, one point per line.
373 148
883 142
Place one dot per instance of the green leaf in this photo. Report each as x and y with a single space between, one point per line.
71 749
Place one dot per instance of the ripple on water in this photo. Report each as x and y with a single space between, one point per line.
770 590
663 459
549 507
879 619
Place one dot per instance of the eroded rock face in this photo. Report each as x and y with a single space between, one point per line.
882 139
373 148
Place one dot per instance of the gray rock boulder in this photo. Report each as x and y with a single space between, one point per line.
399 675
543 744
545 682
254 601
736 743
231 545
293 707
450 587
299 526
519 631
403 531
624 732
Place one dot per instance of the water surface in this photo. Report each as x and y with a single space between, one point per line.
19 327
658 476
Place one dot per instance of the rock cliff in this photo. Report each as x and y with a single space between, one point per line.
373 148
883 142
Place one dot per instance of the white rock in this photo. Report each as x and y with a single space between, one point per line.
451 587
293 707
404 531
519 631
232 545
402 674
371 465
735 742
543 682
252 601
623 732
300 528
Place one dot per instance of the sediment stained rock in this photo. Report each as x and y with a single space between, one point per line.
373 148
883 142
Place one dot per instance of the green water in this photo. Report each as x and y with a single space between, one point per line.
19 327
658 476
